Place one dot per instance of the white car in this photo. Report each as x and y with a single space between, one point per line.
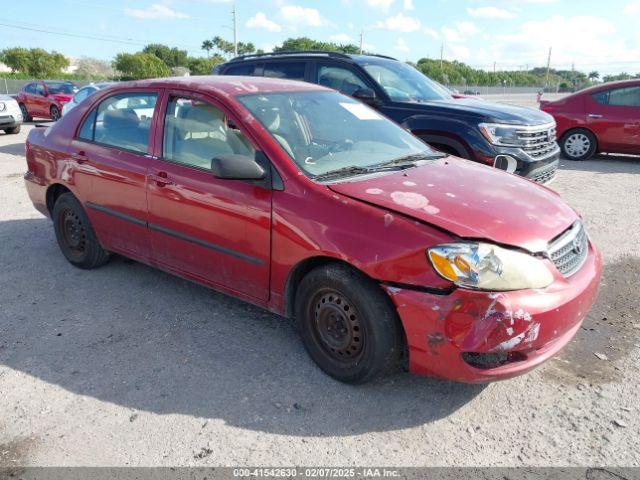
10 115
83 93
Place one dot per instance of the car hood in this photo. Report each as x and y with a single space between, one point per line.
485 111
469 200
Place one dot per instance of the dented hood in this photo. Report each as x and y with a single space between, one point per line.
469 200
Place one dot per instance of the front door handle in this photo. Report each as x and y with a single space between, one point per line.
593 115
80 157
160 178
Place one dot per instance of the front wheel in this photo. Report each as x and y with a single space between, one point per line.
75 235
12 130
348 324
55 113
25 113
578 144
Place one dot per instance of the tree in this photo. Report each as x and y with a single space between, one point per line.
172 57
203 66
93 69
135 66
17 59
306 43
594 76
223 46
208 45
35 62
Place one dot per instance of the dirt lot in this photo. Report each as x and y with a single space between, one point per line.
127 365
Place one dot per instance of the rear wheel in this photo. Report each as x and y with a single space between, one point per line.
578 144
347 324
75 235
54 112
25 114
12 130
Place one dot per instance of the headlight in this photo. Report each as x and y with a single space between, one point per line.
484 266
504 135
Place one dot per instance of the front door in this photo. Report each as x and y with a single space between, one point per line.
109 161
214 230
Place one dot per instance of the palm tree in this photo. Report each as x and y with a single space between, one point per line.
594 76
208 46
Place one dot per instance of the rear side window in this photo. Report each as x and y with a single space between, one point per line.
619 97
240 70
122 121
39 89
288 70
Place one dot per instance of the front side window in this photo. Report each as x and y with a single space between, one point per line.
288 70
121 121
403 83
195 132
31 88
326 131
339 78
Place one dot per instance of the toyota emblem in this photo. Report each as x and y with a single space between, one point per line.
577 245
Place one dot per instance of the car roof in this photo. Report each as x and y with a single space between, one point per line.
225 85
306 54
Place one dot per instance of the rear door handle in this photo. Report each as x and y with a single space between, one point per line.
593 115
80 157
160 178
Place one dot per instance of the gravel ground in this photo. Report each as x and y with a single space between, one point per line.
126 365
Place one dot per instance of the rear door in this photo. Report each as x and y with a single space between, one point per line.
214 230
614 116
109 161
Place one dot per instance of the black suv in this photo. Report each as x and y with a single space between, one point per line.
516 139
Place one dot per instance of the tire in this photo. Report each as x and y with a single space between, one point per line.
12 130
578 144
76 237
348 325
54 112
25 113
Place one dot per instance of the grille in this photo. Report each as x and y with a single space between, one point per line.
569 251
539 142
545 175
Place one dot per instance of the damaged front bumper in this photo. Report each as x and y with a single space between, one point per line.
474 336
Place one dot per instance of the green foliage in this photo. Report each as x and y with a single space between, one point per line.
136 66
172 57
225 48
35 62
203 66
306 43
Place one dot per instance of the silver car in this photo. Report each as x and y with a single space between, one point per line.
10 115
83 93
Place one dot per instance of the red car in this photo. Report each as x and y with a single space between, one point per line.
605 118
44 99
310 204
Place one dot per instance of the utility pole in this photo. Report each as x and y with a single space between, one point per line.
361 41
441 55
494 67
546 83
235 31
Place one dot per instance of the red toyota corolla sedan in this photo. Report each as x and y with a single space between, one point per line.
312 205
605 118
44 99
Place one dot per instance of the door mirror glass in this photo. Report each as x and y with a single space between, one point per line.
237 167
365 95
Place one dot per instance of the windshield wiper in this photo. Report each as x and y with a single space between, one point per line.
344 171
412 159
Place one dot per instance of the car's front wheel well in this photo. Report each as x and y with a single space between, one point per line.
53 193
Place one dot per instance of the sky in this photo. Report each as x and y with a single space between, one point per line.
514 34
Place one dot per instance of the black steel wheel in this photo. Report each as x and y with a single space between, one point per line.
55 113
348 324
75 235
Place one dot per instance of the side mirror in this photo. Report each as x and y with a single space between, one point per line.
237 167
365 95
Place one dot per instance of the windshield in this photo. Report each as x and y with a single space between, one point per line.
326 131
403 83
55 88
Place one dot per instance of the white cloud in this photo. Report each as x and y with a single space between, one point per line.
459 31
297 15
383 5
632 8
400 23
401 45
490 12
432 33
459 52
155 11
260 20
408 5
341 38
